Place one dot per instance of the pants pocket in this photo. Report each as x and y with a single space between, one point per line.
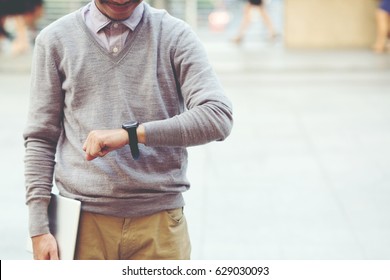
176 215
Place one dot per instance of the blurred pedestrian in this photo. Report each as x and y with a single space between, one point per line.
3 31
25 13
33 15
383 26
3 14
250 6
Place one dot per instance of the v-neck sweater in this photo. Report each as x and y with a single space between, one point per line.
162 79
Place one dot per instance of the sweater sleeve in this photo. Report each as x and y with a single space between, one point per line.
41 135
208 115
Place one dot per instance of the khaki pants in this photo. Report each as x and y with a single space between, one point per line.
161 236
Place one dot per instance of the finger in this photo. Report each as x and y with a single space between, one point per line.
41 256
104 152
91 153
89 142
54 255
89 157
85 145
101 153
91 149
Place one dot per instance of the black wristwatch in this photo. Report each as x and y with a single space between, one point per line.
131 128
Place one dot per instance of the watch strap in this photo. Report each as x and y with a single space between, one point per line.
133 142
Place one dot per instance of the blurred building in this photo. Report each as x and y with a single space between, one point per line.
329 23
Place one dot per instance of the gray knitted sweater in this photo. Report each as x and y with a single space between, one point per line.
162 79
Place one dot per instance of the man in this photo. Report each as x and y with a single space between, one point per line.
113 73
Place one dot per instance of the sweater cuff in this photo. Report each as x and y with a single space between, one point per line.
38 219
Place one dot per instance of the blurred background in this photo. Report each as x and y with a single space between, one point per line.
305 173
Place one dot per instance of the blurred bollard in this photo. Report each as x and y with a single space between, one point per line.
191 13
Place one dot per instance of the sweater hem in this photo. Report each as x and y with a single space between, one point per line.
133 207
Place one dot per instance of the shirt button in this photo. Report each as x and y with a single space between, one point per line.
115 50
115 25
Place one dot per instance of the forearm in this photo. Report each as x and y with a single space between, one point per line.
198 126
208 115
41 135
39 168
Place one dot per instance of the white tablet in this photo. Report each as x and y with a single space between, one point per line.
64 215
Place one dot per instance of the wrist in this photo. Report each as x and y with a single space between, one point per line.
141 134
125 136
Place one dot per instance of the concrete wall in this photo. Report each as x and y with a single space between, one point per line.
330 23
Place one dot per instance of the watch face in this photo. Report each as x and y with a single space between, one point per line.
130 124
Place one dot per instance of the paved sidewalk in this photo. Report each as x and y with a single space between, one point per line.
304 175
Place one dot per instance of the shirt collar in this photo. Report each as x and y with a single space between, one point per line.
99 21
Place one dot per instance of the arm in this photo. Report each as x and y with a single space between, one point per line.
41 136
209 114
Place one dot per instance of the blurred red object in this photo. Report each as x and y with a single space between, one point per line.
218 20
